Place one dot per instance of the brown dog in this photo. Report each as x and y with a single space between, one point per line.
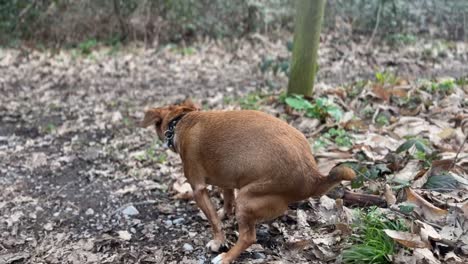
267 160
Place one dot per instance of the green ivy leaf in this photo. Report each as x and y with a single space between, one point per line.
422 147
335 112
443 181
406 207
298 103
266 64
405 146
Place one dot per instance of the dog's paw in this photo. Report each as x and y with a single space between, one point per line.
214 245
220 259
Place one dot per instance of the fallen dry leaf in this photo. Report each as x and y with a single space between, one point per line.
428 231
425 254
406 239
329 159
389 196
464 208
380 92
184 190
452 257
409 172
428 210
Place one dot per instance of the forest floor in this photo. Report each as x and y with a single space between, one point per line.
81 182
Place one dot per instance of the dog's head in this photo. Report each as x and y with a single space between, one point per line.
161 116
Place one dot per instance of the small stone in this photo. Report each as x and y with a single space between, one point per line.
124 235
32 215
116 117
91 154
167 222
258 255
48 227
130 210
187 247
90 211
165 208
37 160
178 221
464 249
15 217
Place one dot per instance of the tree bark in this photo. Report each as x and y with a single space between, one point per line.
308 23
123 28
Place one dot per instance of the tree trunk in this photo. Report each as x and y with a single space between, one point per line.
308 23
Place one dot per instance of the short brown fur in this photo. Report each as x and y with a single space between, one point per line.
267 160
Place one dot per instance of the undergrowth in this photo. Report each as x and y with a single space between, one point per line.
370 244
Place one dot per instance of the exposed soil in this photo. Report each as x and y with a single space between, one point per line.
71 171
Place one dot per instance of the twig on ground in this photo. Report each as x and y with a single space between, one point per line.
458 153
363 199
319 130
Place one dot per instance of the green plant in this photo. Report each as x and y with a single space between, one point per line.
319 143
150 154
462 81
411 102
419 143
443 181
278 65
251 101
368 111
228 100
356 88
321 108
423 151
340 137
87 46
182 50
382 120
282 97
443 87
386 78
367 172
406 207
51 128
370 244
401 39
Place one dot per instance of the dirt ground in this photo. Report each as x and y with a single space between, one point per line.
82 183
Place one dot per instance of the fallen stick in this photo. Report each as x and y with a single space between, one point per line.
363 200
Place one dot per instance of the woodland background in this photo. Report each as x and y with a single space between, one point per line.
82 182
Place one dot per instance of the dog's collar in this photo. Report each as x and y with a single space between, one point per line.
169 134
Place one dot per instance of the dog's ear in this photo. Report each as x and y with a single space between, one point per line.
190 104
152 116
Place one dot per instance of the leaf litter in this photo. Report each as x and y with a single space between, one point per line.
70 145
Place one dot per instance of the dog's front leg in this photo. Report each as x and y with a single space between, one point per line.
200 193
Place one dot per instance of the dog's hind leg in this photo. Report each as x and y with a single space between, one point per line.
228 207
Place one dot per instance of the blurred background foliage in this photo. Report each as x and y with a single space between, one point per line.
69 23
